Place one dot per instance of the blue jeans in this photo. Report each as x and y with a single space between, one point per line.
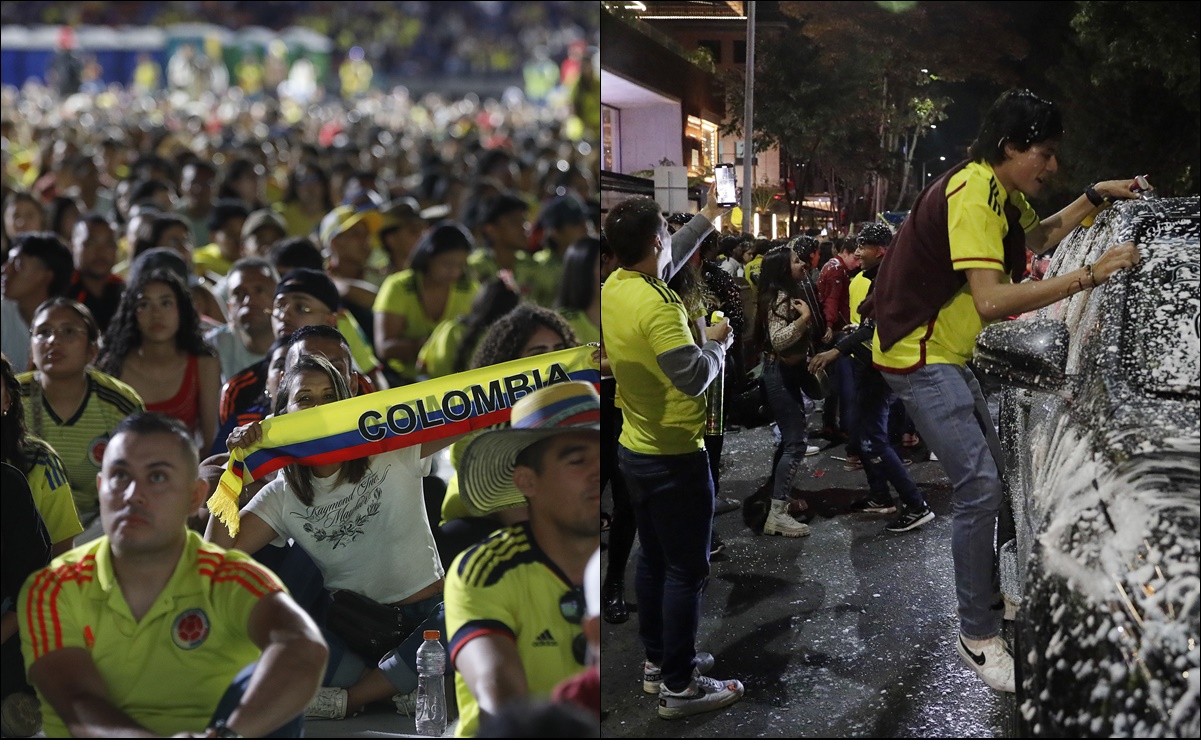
233 696
881 463
788 408
950 412
842 372
673 505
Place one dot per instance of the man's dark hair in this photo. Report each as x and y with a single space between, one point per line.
151 422
254 264
631 227
295 253
1018 117
54 254
319 331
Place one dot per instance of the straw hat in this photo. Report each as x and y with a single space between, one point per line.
486 471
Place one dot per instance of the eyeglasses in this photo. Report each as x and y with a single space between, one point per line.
282 308
67 333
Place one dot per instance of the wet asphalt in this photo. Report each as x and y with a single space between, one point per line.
848 632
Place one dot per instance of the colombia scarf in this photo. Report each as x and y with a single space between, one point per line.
392 419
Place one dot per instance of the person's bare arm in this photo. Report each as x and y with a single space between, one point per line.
73 686
430 448
1050 231
389 344
210 399
289 671
996 299
492 669
253 533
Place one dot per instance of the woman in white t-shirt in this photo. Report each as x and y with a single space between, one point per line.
364 524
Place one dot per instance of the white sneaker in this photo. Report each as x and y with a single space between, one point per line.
810 451
779 522
993 662
652 674
704 694
329 703
406 704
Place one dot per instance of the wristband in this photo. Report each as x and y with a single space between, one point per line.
1094 197
1091 278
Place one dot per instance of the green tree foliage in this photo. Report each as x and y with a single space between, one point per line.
1128 86
850 88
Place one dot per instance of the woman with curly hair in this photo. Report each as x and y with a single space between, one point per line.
364 524
42 466
525 331
154 344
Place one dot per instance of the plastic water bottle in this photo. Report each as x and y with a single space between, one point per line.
431 687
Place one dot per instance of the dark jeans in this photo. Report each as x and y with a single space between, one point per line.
233 696
843 373
788 408
881 463
622 527
673 505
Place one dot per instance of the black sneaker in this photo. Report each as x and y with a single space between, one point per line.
910 520
872 505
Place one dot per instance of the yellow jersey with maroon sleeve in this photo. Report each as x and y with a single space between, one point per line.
167 670
976 226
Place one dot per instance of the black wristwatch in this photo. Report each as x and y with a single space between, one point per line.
220 729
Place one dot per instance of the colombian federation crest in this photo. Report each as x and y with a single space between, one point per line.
191 629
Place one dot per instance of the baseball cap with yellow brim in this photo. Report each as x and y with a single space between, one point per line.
345 217
486 470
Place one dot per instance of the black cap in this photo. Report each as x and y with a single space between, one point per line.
875 233
314 282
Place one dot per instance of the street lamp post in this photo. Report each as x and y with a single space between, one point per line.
928 161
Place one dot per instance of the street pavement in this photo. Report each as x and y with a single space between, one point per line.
848 632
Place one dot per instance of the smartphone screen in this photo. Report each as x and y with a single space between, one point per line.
727 185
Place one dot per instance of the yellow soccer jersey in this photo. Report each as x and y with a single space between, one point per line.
526 272
360 349
437 355
643 318
976 225
585 331
80 440
401 294
51 491
168 670
858 291
208 258
507 586
546 279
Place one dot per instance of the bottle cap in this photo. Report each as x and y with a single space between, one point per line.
716 317
431 634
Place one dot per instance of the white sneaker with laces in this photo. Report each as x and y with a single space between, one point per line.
810 451
992 661
704 694
329 703
406 704
779 521
652 674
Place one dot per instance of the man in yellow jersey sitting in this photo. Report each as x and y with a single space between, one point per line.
150 629
953 267
515 601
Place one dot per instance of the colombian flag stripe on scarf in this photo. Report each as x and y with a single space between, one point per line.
395 418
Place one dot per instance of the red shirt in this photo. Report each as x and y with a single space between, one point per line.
833 289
